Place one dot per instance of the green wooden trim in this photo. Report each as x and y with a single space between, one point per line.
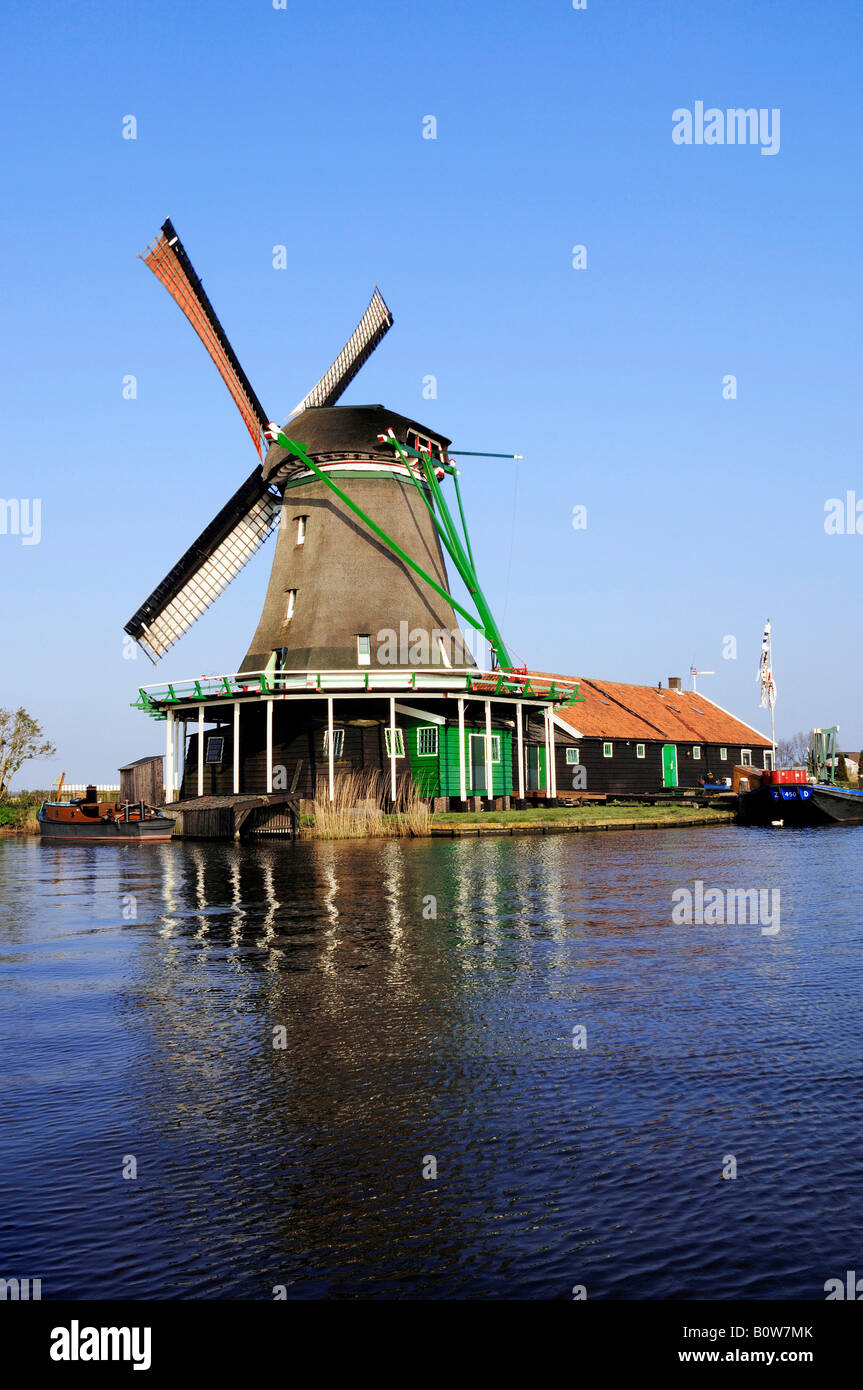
461 514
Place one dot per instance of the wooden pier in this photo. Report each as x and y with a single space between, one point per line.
235 817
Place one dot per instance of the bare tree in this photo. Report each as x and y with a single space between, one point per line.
20 740
794 749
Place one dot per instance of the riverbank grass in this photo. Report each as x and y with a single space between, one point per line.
590 815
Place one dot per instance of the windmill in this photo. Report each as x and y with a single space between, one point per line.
358 603
355 494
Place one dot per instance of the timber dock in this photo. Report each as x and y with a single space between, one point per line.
236 817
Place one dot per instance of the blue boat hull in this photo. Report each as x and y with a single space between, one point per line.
802 805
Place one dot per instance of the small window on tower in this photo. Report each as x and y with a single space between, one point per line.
301 530
215 749
400 742
338 742
290 602
364 650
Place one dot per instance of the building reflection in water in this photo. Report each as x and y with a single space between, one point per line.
406 1031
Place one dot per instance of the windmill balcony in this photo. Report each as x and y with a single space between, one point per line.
460 734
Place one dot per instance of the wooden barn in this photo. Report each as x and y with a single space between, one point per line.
639 738
143 780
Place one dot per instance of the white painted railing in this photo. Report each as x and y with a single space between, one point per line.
467 679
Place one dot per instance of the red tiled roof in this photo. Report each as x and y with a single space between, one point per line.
614 710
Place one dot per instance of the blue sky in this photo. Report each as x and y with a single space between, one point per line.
258 127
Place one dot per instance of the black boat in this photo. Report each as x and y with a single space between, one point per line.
818 803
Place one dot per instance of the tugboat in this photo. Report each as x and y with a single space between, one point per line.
91 821
791 797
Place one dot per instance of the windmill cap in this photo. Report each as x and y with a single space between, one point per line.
347 429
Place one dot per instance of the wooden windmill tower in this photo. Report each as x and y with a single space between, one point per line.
358 597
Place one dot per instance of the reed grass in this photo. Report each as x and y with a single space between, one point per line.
361 808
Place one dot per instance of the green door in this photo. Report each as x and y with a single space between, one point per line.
669 765
534 767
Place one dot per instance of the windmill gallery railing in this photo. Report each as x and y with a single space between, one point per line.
174 702
156 699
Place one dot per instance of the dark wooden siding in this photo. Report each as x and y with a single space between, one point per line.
143 781
625 772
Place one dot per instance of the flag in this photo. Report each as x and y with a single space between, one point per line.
765 671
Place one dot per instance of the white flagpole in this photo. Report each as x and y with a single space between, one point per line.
772 698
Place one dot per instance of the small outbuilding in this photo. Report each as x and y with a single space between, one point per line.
143 780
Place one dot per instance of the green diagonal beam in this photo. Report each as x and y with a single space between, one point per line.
299 452
462 561
445 526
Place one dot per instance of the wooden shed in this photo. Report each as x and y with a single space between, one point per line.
143 780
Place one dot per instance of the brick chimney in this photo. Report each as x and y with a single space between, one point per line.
675 683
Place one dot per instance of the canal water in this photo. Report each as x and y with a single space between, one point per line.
439 1068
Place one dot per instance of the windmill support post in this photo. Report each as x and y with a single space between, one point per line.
269 747
462 765
519 729
201 710
179 756
489 774
330 748
236 767
169 756
552 753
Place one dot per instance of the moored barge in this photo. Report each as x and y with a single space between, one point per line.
90 821
787 797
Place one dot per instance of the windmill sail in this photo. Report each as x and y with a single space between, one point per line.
375 323
167 259
207 568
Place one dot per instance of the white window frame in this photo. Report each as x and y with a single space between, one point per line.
572 757
214 738
641 750
364 658
290 604
495 748
301 530
723 755
768 759
608 750
338 742
696 751
427 752
400 742
746 757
